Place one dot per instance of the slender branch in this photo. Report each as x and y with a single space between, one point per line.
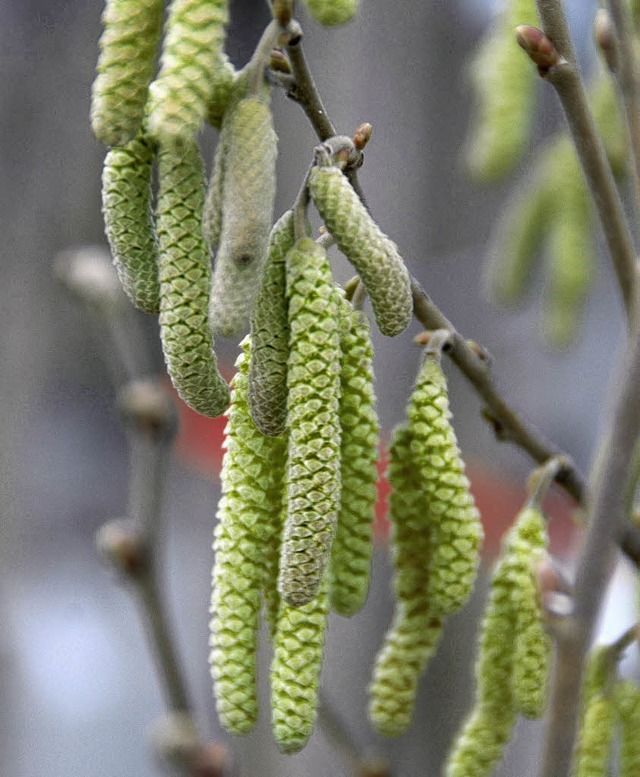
565 79
305 93
605 520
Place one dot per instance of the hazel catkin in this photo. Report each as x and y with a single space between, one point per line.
128 218
627 704
248 519
332 12
125 68
184 272
374 256
353 543
596 735
248 191
313 464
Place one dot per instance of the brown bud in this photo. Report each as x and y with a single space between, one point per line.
282 11
121 545
538 46
279 62
605 36
146 406
362 135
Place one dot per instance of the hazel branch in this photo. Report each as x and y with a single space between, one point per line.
565 79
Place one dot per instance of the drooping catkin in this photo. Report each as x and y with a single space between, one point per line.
313 382
270 335
504 80
192 56
598 676
353 543
125 68
295 670
212 217
248 192
128 219
454 520
480 744
374 256
248 520
595 739
415 632
570 258
332 12
627 703
184 271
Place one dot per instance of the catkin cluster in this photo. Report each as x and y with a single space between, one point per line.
514 652
436 540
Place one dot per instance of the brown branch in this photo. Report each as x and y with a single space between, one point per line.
303 91
605 520
565 79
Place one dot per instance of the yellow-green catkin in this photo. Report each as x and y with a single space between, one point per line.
212 217
595 739
295 670
415 632
125 68
332 12
570 256
374 256
455 528
270 335
184 271
129 224
504 80
192 56
248 519
353 543
627 702
225 86
481 743
597 679
313 381
248 192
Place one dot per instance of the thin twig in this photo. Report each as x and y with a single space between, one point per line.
566 80
305 93
605 520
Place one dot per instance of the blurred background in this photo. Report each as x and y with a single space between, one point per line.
79 691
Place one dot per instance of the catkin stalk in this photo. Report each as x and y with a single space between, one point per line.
192 61
248 520
248 192
184 272
313 382
374 256
125 68
128 218
270 335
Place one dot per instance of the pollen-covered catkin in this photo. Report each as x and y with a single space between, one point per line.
596 735
125 68
184 271
295 670
248 192
455 528
192 54
313 382
504 80
332 12
415 632
270 335
372 253
627 702
353 543
248 518
128 218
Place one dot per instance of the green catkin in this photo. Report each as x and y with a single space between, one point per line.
456 531
332 12
192 57
184 271
248 519
596 735
481 743
295 670
223 89
353 543
504 80
596 680
212 217
313 382
570 258
248 192
374 256
270 335
125 68
415 632
128 218
627 702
